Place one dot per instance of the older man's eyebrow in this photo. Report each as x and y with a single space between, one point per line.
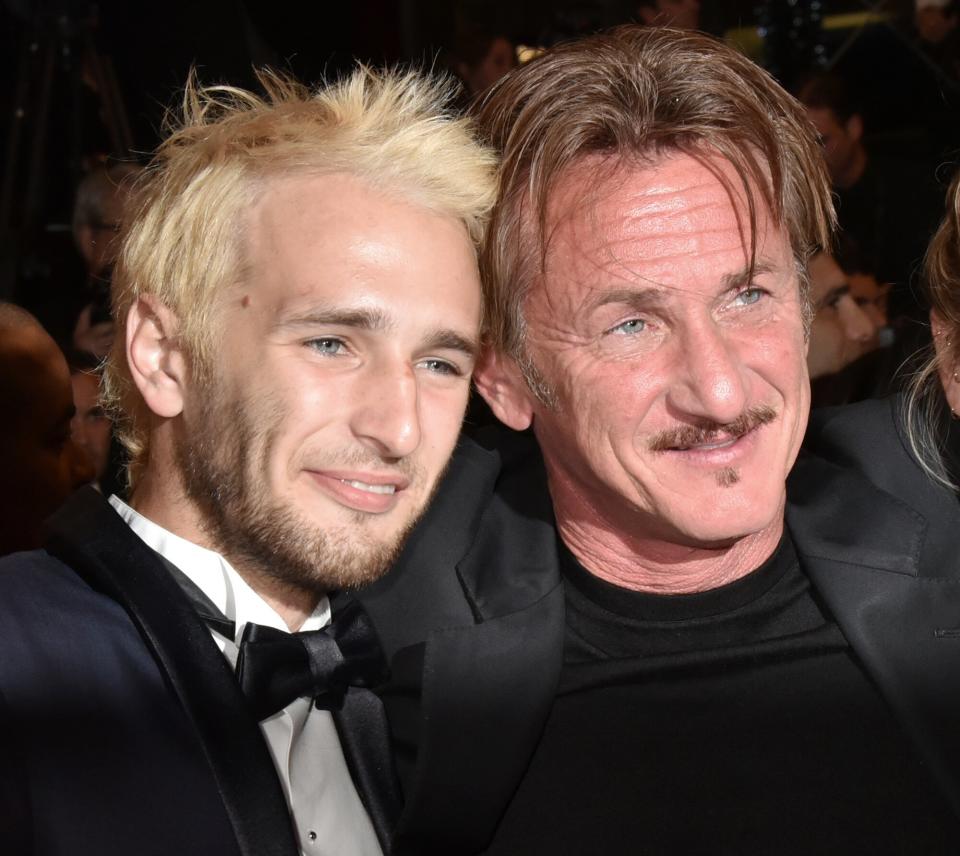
742 278
363 319
639 299
645 299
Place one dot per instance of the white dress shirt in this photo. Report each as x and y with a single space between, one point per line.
327 813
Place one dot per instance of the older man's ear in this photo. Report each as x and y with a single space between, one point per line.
502 385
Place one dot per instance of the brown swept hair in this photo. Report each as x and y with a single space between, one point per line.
632 95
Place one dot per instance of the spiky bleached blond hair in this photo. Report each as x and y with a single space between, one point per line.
183 242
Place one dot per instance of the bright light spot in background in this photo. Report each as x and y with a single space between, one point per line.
525 53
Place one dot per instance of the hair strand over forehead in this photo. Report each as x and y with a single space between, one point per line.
632 96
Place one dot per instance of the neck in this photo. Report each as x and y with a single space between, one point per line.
160 497
656 564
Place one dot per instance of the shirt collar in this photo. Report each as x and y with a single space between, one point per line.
214 575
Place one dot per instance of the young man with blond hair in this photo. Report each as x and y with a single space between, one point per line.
298 310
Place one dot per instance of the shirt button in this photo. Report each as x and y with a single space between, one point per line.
312 835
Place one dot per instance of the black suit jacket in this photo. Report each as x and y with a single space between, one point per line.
473 619
122 727
881 542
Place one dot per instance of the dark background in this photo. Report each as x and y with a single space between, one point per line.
55 55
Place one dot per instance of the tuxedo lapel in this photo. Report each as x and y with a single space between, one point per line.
364 736
487 685
891 580
91 538
486 694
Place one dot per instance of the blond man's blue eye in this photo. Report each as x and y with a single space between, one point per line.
326 346
441 367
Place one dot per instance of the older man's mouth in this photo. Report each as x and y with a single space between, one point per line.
707 447
712 437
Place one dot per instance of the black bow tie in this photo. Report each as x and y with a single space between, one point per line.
275 667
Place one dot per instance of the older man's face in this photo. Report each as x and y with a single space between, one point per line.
678 383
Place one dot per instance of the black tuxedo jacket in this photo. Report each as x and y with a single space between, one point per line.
122 727
473 619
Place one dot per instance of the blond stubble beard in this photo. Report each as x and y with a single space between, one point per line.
216 455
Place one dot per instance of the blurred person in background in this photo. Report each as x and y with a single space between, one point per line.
98 213
937 34
840 331
40 462
481 56
683 14
91 427
850 357
868 292
888 206
882 368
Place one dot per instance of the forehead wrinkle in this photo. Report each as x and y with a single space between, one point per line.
615 267
683 230
661 223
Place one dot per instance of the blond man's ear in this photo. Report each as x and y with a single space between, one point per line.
157 364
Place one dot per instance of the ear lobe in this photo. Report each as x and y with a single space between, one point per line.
499 380
156 362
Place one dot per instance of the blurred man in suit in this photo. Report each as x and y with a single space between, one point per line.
40 461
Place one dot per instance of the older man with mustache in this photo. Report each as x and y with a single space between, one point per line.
619 639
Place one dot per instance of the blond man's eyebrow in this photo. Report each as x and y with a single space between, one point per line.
363 319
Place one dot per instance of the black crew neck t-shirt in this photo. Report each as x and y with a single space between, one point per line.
732 721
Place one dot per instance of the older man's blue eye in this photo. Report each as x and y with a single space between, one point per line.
750 295
634 325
